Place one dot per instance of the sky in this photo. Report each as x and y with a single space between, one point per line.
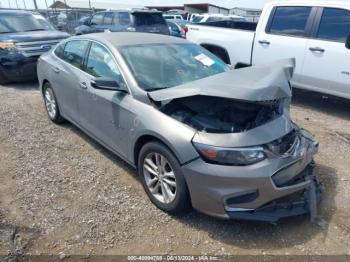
223 3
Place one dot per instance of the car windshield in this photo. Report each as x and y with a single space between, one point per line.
159 66
23 23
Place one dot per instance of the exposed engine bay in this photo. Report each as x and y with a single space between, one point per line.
221 115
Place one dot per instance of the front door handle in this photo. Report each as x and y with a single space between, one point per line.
83 85
56 70
264 42
316 49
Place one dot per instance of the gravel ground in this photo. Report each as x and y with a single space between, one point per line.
62 193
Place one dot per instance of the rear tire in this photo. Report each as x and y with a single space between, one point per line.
164 183
51 104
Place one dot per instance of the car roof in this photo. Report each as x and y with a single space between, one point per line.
132 38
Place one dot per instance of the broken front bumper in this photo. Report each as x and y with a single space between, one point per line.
299 203
269 190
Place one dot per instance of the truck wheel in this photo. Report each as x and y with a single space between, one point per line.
162 178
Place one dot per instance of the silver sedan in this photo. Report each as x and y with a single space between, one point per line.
200 134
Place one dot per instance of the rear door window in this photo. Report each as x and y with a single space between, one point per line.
97 19
74 52
145 19
334 25
100 63
124 18
108 18
290 20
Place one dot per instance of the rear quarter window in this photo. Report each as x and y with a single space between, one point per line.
142 19
59 50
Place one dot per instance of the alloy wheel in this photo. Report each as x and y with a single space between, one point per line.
159 177
50 103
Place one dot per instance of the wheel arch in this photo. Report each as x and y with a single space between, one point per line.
217 50
146 138
43 84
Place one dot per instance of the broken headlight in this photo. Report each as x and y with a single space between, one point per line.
230 156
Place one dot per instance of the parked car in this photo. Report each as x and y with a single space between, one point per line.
177 17
184 14
176 27
125 20
312 32
24 36
199 133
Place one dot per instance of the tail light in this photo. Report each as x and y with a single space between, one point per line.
186 30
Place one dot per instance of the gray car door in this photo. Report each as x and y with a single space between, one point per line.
65 77
104 113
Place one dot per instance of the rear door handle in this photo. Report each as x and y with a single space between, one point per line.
316 49
264 42
56 70
83 85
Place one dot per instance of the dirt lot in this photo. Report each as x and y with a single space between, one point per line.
60 192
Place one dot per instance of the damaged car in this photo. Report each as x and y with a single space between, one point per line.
200 134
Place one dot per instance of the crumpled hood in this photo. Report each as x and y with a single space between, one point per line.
256 83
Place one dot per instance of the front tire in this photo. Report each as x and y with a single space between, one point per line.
162 178
51 104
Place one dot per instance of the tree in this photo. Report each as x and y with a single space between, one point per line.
35 4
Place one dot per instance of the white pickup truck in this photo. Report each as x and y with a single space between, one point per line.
315 33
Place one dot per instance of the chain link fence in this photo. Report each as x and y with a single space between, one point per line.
66 20
63 19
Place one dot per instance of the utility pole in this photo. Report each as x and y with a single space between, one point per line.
89 4
35 4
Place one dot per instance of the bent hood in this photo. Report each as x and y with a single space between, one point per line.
256 83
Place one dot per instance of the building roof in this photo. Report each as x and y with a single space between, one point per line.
204 6
248 9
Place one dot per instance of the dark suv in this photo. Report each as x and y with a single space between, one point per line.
125 20
24 36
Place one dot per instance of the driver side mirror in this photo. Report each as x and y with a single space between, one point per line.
106 83
347 43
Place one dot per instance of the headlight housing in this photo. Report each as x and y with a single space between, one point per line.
230 156
8 48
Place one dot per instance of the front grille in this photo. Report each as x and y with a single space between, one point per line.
29 49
